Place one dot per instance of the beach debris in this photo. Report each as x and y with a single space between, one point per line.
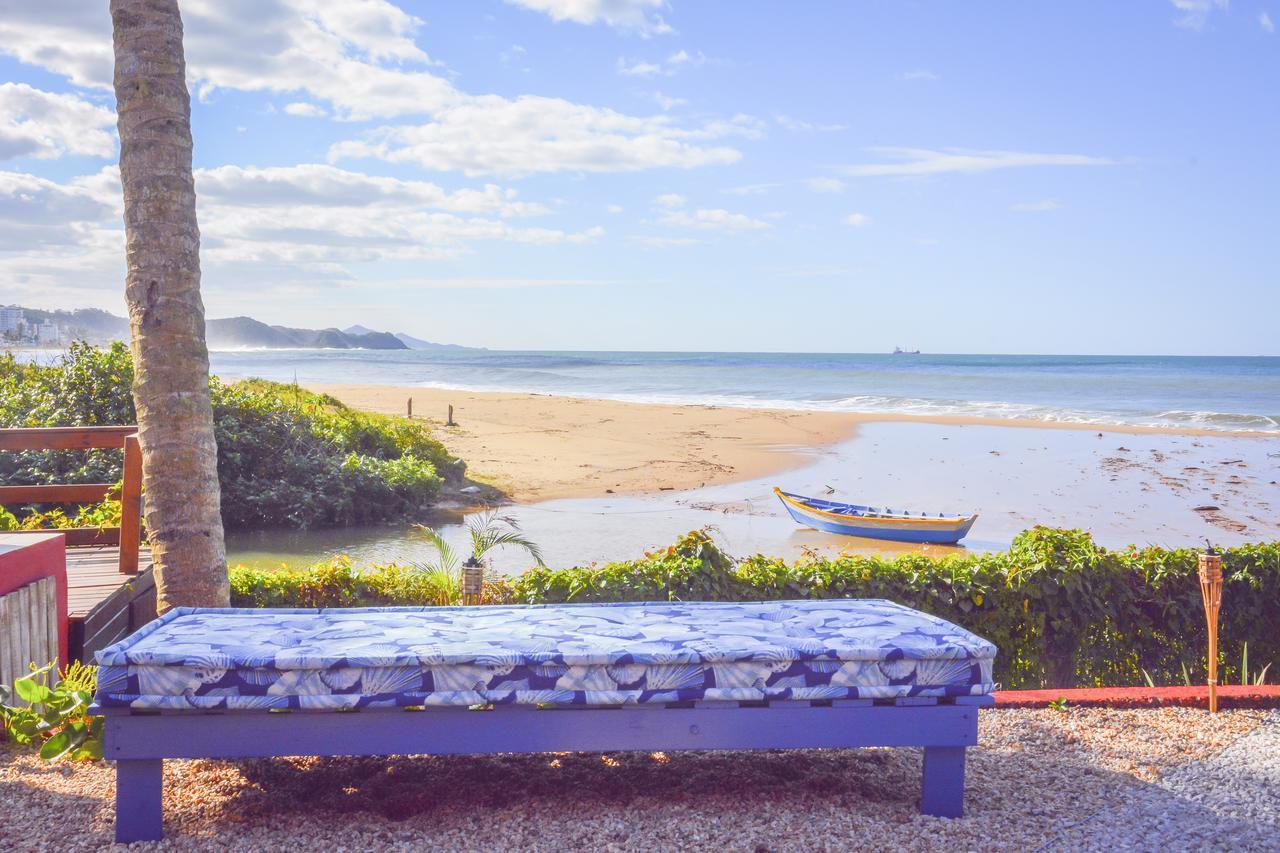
449 420
469 490
1122 449
1099 435
995 452
830 490
1239 462
608 491
666 488
1206 508
408 409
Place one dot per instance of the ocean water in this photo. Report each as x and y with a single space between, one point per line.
1226 393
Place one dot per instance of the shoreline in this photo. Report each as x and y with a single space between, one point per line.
538 447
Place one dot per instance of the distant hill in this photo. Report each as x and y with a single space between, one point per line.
100 327
237 332
408 340
418 343
89 324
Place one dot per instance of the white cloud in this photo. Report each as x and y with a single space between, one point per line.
710 220
918 74
923 161
797 125
634 15
478 283
493 135
857 220
311 222
360 58
638 68
1043 206
37 213
1194 14
614 208
1264 21
318 185
664 242
667 103
825 185
302 108
670 200
35 123
664 67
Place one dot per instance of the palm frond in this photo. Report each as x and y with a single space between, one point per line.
447 558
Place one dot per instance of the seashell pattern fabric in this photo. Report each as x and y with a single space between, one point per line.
563 654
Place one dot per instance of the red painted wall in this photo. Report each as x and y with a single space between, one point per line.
27 557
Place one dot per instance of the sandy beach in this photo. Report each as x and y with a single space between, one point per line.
541 447
595 480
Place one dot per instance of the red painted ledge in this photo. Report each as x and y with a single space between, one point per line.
1229 696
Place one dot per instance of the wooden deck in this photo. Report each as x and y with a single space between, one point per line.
104 605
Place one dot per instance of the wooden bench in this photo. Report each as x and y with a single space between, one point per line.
249 683
139 742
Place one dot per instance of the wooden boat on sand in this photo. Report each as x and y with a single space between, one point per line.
856 520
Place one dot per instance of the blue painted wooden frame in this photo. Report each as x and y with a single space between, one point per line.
139 741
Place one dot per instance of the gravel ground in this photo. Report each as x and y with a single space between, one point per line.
1041 779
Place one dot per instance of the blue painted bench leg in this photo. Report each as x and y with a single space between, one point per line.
139 784
943 784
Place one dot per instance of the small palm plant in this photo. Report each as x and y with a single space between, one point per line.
457 580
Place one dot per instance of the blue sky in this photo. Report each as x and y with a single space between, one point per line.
1091 177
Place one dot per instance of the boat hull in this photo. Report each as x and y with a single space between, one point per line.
930 531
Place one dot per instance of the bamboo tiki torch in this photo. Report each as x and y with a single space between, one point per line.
1211 594
472 583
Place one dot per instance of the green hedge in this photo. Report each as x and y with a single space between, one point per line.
1062 610
286 457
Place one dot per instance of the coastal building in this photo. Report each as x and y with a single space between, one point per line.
12 320
48 333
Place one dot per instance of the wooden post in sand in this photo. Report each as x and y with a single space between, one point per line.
449 420
409 408
1211 594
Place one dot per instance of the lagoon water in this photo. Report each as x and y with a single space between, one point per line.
1227 393
1111 484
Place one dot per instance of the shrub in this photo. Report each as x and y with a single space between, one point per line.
337 583
286 456
1062 610
55 718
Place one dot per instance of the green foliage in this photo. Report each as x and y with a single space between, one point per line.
286 457
54 718
1063 611
337 583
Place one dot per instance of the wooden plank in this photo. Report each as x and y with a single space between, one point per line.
131 506
51 611
78 536
112 630
65 438
65 493
260 734
6 663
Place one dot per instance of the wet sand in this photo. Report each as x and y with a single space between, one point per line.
542 447
596 481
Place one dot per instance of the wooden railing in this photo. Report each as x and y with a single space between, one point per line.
129 533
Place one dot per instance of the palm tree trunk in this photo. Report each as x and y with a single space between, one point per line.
166 316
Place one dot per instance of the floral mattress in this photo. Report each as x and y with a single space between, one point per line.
569 654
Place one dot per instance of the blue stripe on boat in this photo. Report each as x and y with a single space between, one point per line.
875 523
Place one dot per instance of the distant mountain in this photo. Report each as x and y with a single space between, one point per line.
246 332
100 327
89 324
418 343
